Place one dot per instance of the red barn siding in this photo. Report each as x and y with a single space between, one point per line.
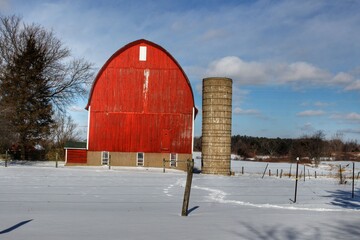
76 156
130 112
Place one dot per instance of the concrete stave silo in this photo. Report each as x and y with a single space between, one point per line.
216 125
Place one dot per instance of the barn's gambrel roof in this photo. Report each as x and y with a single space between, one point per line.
129 45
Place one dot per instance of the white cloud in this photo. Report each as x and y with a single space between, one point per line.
240 111
300 74
354 86
310 113
245 73
353 117
316 104
342 78
321 104
255 73
299 71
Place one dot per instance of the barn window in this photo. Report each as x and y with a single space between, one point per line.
105 158
140 159
173 159
142 53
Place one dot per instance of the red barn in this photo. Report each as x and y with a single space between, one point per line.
141 109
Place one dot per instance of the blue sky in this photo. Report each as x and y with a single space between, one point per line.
295 65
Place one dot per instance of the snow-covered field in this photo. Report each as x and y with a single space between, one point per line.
39 201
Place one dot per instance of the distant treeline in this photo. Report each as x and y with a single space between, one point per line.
313 147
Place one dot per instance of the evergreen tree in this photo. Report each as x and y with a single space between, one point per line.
37 79
24 90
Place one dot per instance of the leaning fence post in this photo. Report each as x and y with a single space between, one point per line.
281 172
265 170
190 168
163 165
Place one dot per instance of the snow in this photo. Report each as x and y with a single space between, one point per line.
39 201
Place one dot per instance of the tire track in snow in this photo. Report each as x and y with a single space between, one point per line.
179 182
219 196
167 189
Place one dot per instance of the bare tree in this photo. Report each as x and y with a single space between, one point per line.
311 147
66 78
64 130
317 146
336 145
38 77
270 145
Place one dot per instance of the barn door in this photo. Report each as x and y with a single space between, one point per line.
165 140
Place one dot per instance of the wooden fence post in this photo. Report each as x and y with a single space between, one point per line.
265 170
304 172
340 174
6 158
296 179
163 165
190 168
353 182
56 160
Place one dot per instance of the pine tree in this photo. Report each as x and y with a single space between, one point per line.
37 79
24 90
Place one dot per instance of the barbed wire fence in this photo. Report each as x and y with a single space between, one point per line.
250 181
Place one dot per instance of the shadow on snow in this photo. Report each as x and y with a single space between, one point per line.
340 230
344 199
10 229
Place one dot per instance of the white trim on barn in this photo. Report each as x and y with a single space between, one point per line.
88 129
193 126
66 155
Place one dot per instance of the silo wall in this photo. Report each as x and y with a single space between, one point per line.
216 125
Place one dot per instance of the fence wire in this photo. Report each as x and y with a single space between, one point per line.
253 184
